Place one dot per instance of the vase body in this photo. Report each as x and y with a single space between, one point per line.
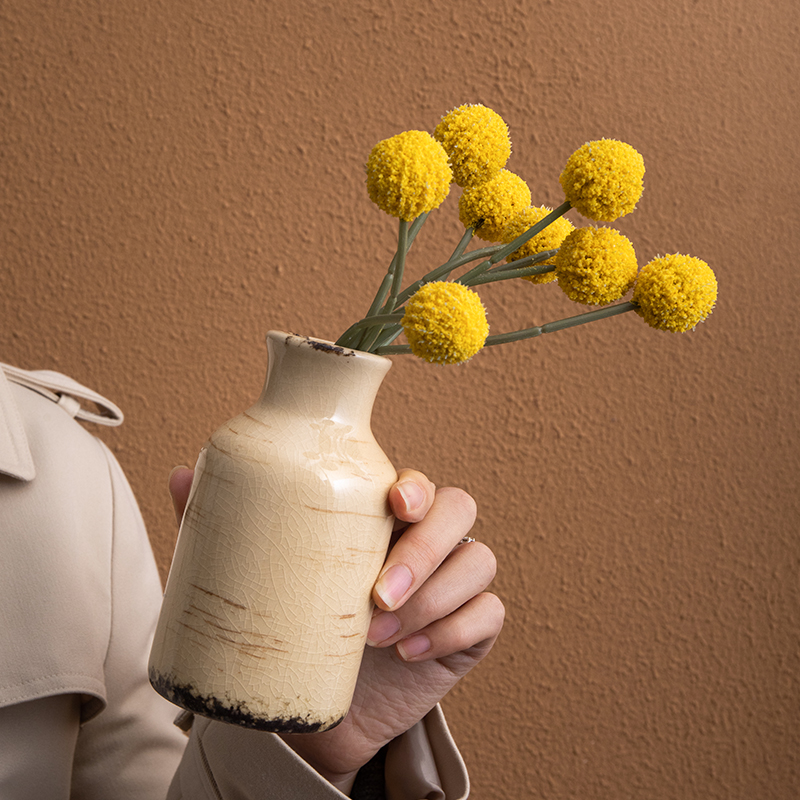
268 599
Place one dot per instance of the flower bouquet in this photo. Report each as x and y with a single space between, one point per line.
268 600
444 321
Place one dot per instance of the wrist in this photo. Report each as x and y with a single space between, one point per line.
343 781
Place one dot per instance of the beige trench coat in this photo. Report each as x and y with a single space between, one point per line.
79 597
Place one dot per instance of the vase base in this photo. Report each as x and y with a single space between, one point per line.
188 698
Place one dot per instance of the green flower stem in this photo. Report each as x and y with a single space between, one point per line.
383 290
360 338
349 337
354 337
560 324
380 297
369 338
520 268
530 333
400 265
376 321
415 226
460 248
508 249
532 231
373 332
379 319
405 239
507 274
393 350
445 269
388 335
374 324
528 261
371 335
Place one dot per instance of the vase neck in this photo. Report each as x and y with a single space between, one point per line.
320 380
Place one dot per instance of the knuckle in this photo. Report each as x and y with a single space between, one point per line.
494 609
459 501
428 609
486 561
423 555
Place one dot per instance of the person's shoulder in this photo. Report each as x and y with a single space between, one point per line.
39 431
56 493
57 506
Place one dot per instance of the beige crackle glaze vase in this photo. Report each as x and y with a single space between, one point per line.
268 600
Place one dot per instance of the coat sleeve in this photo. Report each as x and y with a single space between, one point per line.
223 762
28 730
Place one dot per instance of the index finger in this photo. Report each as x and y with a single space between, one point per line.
423 547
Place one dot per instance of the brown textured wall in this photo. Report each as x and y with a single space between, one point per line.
179 177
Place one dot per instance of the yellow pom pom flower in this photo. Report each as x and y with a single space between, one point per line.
596 266
445 323
675 292
490 206
549 239
603 179
408 174
477 142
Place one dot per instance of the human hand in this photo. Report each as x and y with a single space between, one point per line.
432 624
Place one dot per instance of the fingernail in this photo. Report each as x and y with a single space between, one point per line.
412 494
383 626
393 584
413 646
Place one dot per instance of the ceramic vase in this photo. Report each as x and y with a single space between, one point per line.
267 603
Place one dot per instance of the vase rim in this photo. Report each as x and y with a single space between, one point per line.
323 345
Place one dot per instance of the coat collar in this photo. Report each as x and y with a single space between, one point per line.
15 454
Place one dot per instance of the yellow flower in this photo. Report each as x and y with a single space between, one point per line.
490 206
445 323
603 179
476 139
549 239
596 266
675 292
408 174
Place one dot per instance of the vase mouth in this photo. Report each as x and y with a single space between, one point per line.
323 346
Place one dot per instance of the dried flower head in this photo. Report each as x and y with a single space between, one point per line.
596 266
549 239
675 292
445 323
477 142
490 206
408 174
603 179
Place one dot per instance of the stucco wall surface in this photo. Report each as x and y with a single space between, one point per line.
177 178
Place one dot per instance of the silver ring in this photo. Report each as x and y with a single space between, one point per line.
466 540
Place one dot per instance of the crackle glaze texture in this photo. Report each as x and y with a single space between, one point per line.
178 177
268 603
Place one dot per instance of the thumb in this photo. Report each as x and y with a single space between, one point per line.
180 482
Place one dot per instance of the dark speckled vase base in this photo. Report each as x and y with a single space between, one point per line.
187 698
